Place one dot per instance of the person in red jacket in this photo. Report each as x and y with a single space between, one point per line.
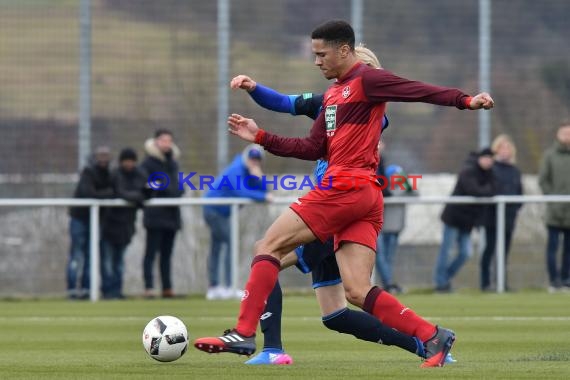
348 205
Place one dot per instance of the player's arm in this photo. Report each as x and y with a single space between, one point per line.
310 148
272 100
307 104
266 97
384 86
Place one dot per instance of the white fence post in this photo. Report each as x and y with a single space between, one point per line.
500 245
94 252
234 244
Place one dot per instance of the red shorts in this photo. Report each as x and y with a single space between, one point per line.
353 215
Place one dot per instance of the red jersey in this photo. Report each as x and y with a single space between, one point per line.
348 128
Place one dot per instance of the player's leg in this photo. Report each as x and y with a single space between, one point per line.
338 317
355 249
270 323
319 258
286 233
354 261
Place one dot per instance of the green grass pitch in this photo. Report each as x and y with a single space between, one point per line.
513 336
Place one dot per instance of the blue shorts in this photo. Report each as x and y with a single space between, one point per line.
318 259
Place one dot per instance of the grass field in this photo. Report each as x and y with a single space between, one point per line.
514 336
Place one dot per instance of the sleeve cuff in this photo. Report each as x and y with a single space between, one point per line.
259 136
467 102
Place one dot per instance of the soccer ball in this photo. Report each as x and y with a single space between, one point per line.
165 338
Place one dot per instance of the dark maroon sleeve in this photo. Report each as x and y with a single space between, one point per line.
383 86
310 148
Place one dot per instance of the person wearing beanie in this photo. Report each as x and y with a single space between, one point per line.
118 223
248 163
476 179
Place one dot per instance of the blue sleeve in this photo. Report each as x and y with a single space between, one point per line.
273 100
308 104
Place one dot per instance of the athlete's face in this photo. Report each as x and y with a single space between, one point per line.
328 58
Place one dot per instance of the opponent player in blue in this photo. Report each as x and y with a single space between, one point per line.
318 258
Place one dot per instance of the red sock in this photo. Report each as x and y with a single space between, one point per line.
392 313
262 279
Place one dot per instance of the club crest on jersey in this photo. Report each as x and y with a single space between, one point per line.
346 92
330 119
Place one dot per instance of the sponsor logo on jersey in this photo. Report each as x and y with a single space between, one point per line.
346 92
330 119
307 95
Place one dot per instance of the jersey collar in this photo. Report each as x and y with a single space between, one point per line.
350 74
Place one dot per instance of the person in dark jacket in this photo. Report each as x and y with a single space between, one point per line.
94 182
161 223
458 219
118 225
228 184
508 181
554 179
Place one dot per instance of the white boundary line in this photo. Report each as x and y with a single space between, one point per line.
285 318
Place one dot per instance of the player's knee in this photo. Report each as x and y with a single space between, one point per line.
354 296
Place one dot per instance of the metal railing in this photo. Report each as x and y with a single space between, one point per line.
95 204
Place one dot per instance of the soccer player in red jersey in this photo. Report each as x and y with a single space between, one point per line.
349 204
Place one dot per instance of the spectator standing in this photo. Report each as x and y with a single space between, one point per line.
554 179
394 223
94 182
161 223
476 179
508 181
118 228
230 184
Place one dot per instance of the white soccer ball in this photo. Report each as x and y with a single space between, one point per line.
165 338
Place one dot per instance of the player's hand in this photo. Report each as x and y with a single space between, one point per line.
482 100
244 82
242 127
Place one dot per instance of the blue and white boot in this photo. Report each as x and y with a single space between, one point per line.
271 356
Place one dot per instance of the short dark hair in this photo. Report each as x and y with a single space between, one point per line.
335 32
162 131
